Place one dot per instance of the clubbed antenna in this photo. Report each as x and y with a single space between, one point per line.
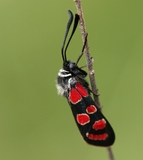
74 28
66 33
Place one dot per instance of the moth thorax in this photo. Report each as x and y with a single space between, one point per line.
64 73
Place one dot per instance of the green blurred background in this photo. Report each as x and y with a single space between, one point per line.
36 123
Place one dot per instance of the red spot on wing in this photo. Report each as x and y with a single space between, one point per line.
81 90
97 136
91 109
74 96
100 124
83 118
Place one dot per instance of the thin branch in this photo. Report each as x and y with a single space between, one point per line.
89 64
110 153
88 58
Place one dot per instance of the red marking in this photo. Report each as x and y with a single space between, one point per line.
100 124
74 96
91 109
81 90
97 136
82 119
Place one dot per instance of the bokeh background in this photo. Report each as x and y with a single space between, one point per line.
36 123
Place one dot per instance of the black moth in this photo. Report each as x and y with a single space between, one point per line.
71 83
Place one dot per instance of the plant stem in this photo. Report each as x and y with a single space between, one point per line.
89 64
87 53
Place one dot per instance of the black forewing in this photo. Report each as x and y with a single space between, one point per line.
80 108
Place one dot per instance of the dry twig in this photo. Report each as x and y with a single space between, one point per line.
89 63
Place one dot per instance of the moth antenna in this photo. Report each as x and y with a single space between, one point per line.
74 28
66 33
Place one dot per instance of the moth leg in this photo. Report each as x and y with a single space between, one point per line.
92 60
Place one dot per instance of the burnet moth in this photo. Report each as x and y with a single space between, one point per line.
71 83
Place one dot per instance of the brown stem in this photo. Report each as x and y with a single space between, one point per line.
87 53
89 63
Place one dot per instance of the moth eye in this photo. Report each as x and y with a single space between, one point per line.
72 65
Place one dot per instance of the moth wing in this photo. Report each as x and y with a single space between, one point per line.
92 124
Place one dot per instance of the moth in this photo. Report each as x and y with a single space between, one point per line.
93 126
